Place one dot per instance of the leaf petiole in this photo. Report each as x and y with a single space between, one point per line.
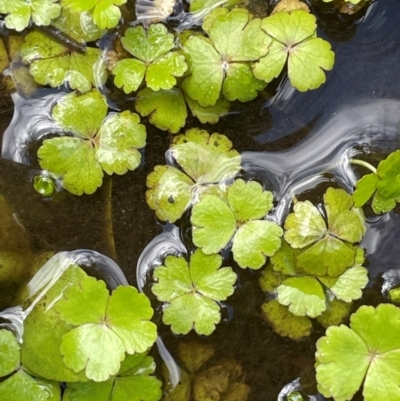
364 164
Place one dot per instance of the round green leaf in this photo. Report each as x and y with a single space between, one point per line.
213 224
121 136
365 188
191 291
169 192
371 346
254 241
389 173
305 226
166 108
304 296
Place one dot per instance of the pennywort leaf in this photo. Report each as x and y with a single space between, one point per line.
107 328
205 160
98 143
294 42
153 60
325 241
51 63
192 291
21 12
370 346
216 221
226 69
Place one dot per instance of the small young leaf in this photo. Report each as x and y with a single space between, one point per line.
370 346
336 311
20 12
294 40
109 327
153 60
192 291
303 295
388 170
365 188
9 353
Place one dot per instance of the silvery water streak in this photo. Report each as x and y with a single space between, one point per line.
31 122
51 272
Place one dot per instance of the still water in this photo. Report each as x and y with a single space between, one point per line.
292 143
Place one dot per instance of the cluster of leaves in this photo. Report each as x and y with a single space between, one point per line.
97 143
383 185
202 380
318 271
371 347
100 349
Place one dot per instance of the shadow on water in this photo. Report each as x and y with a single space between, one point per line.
291 142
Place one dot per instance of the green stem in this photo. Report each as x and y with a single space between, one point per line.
364 164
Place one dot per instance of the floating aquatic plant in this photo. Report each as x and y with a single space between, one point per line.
153 60
206 161
371 346
193 291
238 218
21 12
294 42
98 143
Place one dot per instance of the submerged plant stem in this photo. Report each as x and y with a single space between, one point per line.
364 164
108 225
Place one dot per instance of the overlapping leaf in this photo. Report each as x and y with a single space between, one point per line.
193 291
167 109
21 12
226 67
383 186
371 346
106 13
9 353
294 42
134 382
51 63
106 329
216 221
328 251
97 144
206 160
153 60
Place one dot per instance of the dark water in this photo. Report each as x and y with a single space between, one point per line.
288 140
